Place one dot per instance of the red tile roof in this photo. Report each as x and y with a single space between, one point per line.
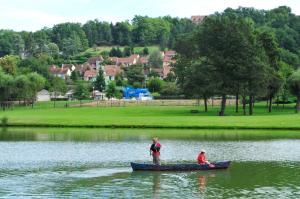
56 70
90 73
170 53
143 60
198 18
125 60
93 60
111 70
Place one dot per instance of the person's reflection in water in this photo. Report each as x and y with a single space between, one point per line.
202 180
156 185
202 183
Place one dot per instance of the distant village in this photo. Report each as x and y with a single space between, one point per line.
89 70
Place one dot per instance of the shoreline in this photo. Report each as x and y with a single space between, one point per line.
113 126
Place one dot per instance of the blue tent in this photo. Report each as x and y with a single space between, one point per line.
129 92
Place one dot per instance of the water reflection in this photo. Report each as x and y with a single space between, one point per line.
156 185
106 135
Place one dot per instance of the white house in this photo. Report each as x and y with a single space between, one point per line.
43 96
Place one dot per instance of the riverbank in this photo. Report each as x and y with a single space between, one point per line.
151 117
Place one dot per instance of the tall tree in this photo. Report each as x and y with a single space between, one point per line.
99 84
294 87
81 91
58 87
155 59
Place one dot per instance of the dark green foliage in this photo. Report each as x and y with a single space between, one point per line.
135 73
156 59
127 51
155 85
81 90
112 91
294 87
75 76
145 51
99 84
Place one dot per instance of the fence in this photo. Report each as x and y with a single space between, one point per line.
127 103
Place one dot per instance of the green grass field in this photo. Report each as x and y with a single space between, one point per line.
137 50
151 116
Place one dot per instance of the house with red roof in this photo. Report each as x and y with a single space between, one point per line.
63 72
110 72
95 62
90 75
125 61
197 19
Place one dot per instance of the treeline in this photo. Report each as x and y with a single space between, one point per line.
68 39
22 88
247 53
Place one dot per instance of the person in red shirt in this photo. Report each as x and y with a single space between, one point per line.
202 159
155 151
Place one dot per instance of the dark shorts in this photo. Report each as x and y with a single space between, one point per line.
156 160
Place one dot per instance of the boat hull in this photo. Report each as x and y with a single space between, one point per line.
178 167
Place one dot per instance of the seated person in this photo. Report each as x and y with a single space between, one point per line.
202 159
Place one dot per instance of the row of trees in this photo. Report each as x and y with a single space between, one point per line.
72 38
19 88
230 54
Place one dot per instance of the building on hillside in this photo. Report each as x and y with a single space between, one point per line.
126 61
159 71
63 73
197 19
144 60
90 75
69 66
95 62
43 96
81 68
110 71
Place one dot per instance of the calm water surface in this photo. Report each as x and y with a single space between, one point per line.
66 165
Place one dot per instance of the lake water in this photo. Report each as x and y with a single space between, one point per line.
88 163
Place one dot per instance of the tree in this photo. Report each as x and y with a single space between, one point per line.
22 85
75 75
99 84
6 89
113 52
58 87
274 86
119 52
294 87
127 51
155 59
145 51
37 83
134 73
169 89
111 90
81 91
9 64
231 45
155 84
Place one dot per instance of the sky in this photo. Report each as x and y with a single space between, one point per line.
32 15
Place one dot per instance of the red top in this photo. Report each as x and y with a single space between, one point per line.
201 158
156 153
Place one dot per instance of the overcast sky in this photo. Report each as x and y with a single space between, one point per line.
32 15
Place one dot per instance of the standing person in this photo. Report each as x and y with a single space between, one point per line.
155 151
202 159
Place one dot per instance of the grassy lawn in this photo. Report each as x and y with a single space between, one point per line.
98 50
158 116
